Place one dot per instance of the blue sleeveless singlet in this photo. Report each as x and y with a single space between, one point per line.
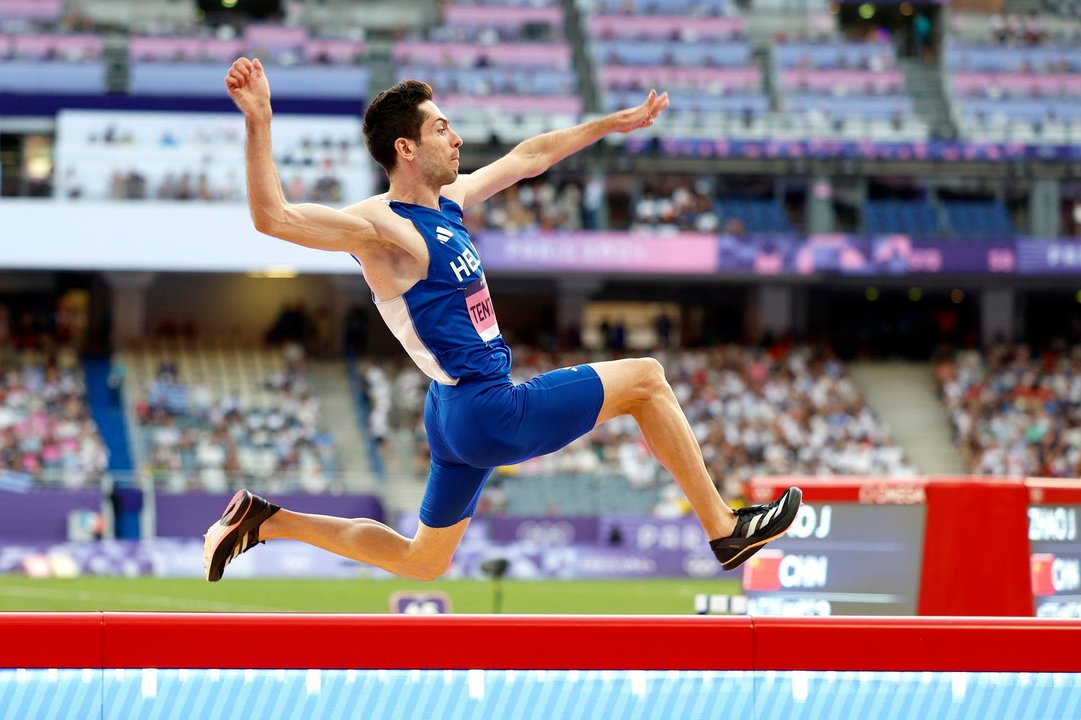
446 321
476 419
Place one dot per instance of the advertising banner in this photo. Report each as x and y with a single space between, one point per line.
544 531
686 253
1056 559
840 559
824 148
872 256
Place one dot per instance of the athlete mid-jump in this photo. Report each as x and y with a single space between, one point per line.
428 282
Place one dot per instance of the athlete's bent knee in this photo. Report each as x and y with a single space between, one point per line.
427 571
650 376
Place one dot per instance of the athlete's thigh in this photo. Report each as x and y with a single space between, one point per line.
452 493
558 407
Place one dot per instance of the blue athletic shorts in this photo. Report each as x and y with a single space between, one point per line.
476 426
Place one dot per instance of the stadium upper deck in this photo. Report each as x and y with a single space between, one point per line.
510 68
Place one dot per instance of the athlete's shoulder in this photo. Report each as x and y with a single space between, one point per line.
375 209
389 226
375 203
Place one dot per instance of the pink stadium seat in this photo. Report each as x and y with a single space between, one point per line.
275 37
665 26
31 9
669 76
185 49
548 55
60 47
502 16
337 51
1022 84
854 81
512 104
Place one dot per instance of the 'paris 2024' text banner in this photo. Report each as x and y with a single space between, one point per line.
775 255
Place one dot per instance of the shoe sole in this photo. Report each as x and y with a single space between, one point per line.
745 554
217 532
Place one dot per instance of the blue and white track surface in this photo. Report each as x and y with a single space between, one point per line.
151 694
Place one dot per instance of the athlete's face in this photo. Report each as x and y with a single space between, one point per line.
438 146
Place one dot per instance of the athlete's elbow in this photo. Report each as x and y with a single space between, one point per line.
266 222
531 162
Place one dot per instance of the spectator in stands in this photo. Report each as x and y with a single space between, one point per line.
45 426
195 440
1014 413
684 206
532 206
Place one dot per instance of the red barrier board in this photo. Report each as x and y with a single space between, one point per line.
976 551
439 642
917 644
36 640
863 490
1053 491
271 641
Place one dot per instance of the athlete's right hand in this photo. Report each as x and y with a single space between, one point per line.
248 87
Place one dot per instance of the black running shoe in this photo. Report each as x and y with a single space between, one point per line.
235 533
755 526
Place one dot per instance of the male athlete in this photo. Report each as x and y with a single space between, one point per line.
428 283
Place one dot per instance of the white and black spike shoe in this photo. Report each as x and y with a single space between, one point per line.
236 532
755 526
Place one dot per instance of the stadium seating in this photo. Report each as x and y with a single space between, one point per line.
1012 410
51 62
497 69
945 218
569 495
1063 7
303 66
978 219
913 218
48 12
1028 94
46 431
833 82
700 57
215 418
755 215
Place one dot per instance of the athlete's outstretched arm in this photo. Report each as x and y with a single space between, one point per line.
308 224
533 156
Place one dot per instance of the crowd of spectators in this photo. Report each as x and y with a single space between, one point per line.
194 440
1015 413
673 206
1016 29
46 431
781 410
542 205
490 35
660 205
665 205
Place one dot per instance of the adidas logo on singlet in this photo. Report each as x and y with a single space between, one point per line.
443 234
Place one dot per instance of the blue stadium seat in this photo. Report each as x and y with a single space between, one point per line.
978 218
757 215
908 217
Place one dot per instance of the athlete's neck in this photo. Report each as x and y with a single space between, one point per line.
413 194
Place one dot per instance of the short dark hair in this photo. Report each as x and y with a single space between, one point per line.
394 114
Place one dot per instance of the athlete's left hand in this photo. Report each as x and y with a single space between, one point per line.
642 116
